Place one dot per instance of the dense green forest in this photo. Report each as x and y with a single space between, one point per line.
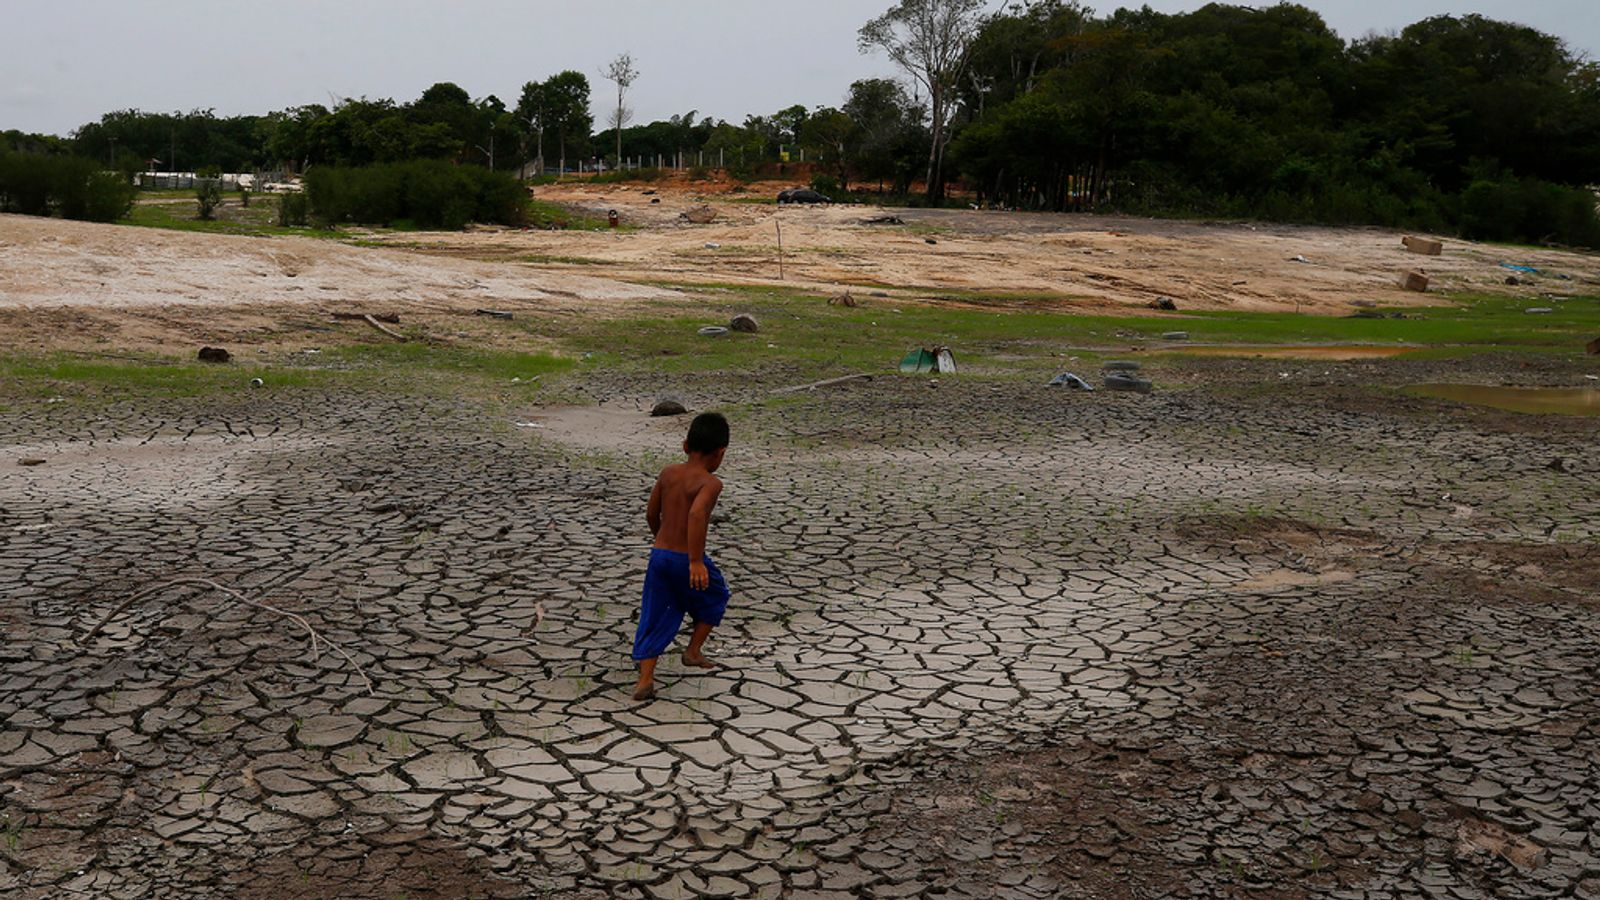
1455 123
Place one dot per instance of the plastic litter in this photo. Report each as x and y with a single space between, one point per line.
1070 380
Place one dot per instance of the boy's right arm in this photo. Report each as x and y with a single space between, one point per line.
652 510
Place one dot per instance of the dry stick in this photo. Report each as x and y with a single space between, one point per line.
863 376
191 579
779 225
380 326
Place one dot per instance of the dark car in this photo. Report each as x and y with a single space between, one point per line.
802 195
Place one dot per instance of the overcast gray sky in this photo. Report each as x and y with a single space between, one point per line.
72 60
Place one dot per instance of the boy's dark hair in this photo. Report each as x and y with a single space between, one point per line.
708 433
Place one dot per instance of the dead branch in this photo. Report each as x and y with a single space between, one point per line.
316 638
383 328
862 376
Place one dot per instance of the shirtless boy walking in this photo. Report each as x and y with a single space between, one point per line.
682 578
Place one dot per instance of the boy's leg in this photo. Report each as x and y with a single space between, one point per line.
646 688
693 656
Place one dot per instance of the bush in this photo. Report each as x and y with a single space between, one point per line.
67 186
208 196
426 193
1529 211
825 184
293 210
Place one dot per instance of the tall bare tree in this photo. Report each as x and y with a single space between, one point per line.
624 74
930 40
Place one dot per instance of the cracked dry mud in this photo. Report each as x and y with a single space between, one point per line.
987 640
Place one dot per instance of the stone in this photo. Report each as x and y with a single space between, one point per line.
668 406
1424 246
744 323
214 355
1164 303
1415 281
1175 336
700 215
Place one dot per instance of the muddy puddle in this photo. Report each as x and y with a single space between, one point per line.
1552 401
1279 351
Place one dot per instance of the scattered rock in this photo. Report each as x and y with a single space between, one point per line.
1424 246
699 215
1593 347
1415 281
928 240
214 355
1175 336
1299 259
744 322
884 220
493 313
1121 382
668 406
713 331
31 461
843 299
1165 303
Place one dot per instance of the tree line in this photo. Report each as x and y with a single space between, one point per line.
1454 123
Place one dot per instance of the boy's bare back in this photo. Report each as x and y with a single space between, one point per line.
680 507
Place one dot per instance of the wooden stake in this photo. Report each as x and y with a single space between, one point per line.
780 248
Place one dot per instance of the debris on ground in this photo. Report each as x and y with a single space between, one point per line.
842 300
668 406
713 331
1164 303
884 220
828 382
32 461
699 215
390 318
1175 336
256 382
923 359
745 323
929 240
713 245
1538 310
1299 259
1118 381
1593 347
1415 281
214 355
1424 246
1070 380
1526 270
492 313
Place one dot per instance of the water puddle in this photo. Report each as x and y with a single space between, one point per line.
1359 351
1557 401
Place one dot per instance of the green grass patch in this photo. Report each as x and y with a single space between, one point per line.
496 365
810 337
549 259
70 376
182 215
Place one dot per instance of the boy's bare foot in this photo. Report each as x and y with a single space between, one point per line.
700 661
645 691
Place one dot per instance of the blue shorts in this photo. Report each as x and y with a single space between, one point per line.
667 597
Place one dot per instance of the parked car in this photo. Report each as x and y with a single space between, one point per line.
802 195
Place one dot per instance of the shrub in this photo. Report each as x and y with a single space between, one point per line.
68 186
825 184
293 210
426 193
208 196
1528 210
